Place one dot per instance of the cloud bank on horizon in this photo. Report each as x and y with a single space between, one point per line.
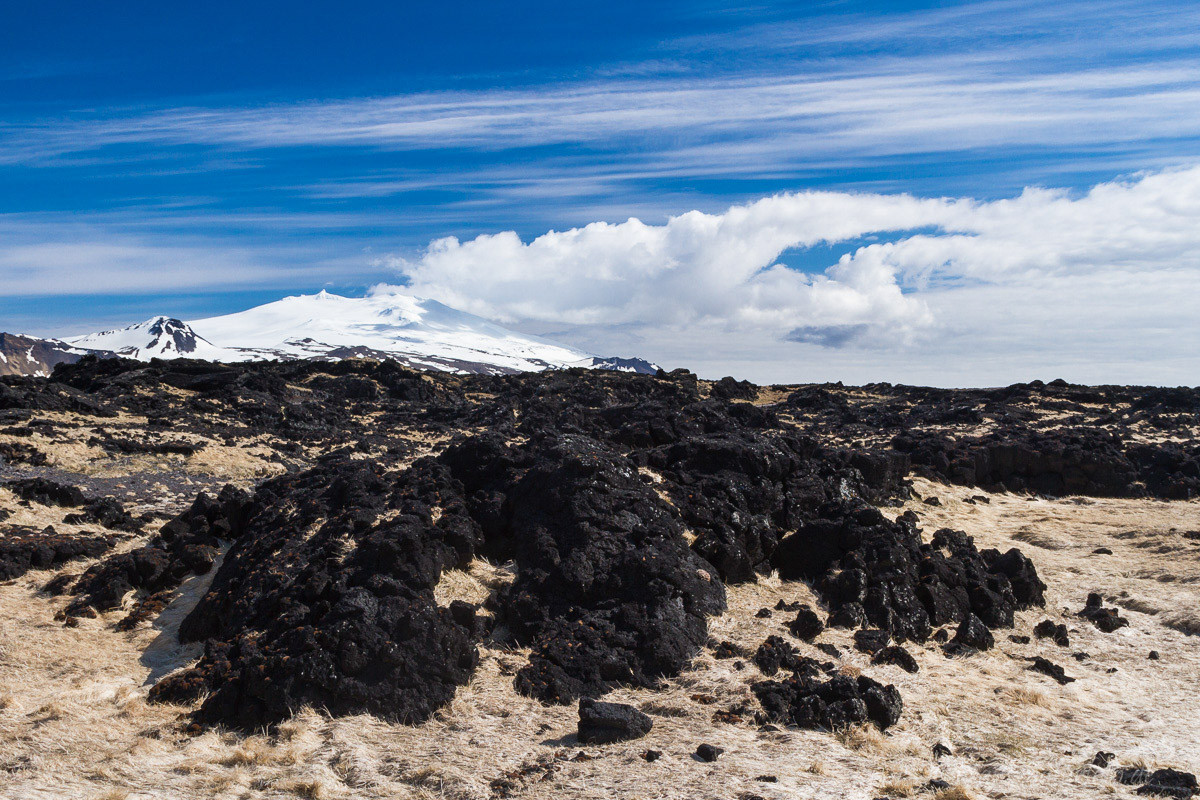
1076 264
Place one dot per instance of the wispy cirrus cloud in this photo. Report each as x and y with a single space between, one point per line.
934 104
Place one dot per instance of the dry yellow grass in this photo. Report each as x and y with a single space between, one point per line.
74 722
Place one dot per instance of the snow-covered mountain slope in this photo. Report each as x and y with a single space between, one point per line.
157 337
420 333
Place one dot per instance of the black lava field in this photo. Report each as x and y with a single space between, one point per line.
623 504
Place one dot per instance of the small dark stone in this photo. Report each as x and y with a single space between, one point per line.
1081 656
652 755
1103 759
850 615
940 750
727 650
972 634
1049 668
932 501
871 640
1048 629
794 605
776 653
1019 639
1102 551
767 779
1153 655
941 635
708 752
807 625
1106 619
604 723
763 613
829 649
898 656
937 785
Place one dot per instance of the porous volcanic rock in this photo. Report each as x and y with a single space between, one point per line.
46 492
326 599
971 635
607 590
898 656
873 570
604 723
23 549
1048 629
107 512
1106 619
807 625
185 545
807 701
622 504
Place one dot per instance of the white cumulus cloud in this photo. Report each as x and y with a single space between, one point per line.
718 280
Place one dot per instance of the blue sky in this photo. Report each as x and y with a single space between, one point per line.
197 158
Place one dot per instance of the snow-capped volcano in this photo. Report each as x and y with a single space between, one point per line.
157 337
418 332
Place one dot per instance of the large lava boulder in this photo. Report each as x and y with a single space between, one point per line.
604 723
327 600
607 590
875 571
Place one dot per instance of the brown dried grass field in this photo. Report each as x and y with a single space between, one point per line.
74 722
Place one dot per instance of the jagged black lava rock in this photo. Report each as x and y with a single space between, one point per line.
24 549
972 635
729 388
878 572
1048 629
1159 783
871 640
185 545
829 649
776 653
725 650
807 625
738 489
621 503
107 512
607 590
1106 619
327 599
46 492
708 752
897 655
604 723
1047 667
1088 461
808 702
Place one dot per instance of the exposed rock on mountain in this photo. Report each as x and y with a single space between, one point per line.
29 355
